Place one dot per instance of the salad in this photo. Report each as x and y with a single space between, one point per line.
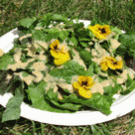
59 65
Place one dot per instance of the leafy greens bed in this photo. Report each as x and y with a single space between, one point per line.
66 67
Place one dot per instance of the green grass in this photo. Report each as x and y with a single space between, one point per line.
125 124
120 13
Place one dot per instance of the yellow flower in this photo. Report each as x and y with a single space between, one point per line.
64 58
113 64
83 86
110 62
103 63
100 31
59 52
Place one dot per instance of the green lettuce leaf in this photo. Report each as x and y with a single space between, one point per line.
36 93
109 90
59 18
52 98
70 69
63 35
127 45
98 102
5 60
130 84
13 110
27 22
49 17
39 35
86 56
74 41
90 70
52 34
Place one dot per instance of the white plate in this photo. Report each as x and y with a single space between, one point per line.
121 106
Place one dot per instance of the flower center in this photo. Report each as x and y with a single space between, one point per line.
114 62
84 83
102 30
56 47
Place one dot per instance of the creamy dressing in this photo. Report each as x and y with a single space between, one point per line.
53 82
39 66
107 83
1 52
103 74
97 87
78 59
60 67
49 79
17 55
114 44
39 76
40 56
51 85
25 36
8 78
19 64
56 90
123 76
38 28
99 53
38 43
87 49
74 78
110 35
28 79
60 96
69 87
118 58
94 52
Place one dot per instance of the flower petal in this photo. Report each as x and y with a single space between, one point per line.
76 85
119 64
99 36
90 81
90 85
100 31
111 65
62 59
85 93
104 66
55 54
55 43
107 29
80 79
